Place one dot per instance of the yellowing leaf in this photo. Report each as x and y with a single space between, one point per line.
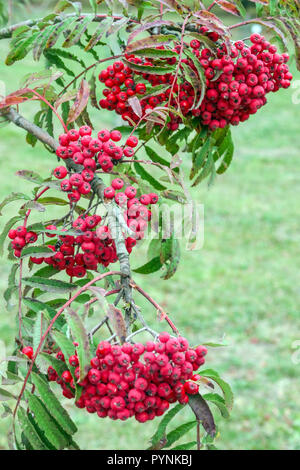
80 103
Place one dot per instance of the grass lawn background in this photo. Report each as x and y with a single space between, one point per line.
244 283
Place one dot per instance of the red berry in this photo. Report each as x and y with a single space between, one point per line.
28 351
12 234
109 192
132 141
66 376
94 376
116 136
191 387
60 172
85 130
117 183
145 199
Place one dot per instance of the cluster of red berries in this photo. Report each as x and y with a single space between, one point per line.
135 379
92 153
237 83
20 238
135 211
77 254
94 245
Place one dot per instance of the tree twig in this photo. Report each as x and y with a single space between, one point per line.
160 310
13 116
7 32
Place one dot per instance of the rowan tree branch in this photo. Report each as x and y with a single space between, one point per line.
118 228
116 221
7 32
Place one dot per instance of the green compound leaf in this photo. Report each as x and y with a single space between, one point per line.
12 284
53 405
76 34
161 430
36 251
57 365
11 198
52 38
186 446
146 176
150 267
49 285
224 386
20 51
46 423
5 231
219 401
30 176
29 431
157 70
80 335
208 169
226 149
177 433
199 158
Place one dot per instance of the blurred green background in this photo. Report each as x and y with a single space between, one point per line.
243 284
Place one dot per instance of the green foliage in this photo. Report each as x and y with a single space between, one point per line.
180 431
151 267
57 365
147 177
161 430
170 255
36 251
45 422
10 224
13 197
12 284
219 401
53 405
30 432
225 387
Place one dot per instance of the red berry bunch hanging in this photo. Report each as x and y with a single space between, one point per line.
94 246
237 83
77 254
120 87
135 379
20 237
92 153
